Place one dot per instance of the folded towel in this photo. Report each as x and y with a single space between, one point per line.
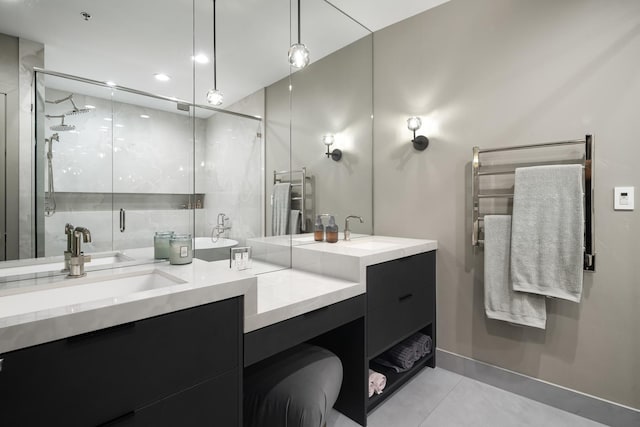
280 208
294 222
422 342
547 248
500 301
403 355
377 382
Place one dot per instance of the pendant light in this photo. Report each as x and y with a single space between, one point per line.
214 96
298 52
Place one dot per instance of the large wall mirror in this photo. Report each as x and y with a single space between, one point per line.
98 137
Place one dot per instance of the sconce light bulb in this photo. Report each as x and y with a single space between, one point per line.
328 139
215 97
298 55
414 123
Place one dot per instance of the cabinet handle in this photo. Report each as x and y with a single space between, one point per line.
122 220
317 310
404 297
101 332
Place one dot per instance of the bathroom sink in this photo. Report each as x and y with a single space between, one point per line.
372 245
43 265
78 291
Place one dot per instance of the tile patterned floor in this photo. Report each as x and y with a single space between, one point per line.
440 398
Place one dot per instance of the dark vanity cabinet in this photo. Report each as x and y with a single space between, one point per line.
182 368
401 300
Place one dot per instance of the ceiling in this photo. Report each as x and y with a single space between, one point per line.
129 41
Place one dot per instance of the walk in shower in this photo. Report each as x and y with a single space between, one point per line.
126 164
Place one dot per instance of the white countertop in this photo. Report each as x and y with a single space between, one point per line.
322 274
202 283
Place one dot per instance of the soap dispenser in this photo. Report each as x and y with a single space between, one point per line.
332 230
318 230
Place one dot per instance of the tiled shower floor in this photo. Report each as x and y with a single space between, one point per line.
441 398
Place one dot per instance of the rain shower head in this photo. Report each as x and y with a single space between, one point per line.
75 110
62 127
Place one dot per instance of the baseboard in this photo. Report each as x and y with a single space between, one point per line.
596 409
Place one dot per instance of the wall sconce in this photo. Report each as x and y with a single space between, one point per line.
328 140
420 142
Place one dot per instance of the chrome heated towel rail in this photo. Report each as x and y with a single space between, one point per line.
587 161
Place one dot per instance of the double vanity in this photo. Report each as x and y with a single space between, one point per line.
159 344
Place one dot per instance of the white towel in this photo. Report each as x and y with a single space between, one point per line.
280 208
500 301
377 382
294 222
547 240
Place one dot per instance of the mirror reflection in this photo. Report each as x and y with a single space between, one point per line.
125 154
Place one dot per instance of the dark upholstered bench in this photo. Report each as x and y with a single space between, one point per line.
295 388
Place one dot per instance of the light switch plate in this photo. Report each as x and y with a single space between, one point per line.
623 198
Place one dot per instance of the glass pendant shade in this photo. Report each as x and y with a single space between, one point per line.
414 123
215 97
298 55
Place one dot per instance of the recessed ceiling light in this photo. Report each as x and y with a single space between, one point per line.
110 83
201 58
108 119
90 107
162 77
144 116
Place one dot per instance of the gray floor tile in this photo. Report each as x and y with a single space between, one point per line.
472 403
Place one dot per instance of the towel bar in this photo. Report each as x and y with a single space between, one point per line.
297 178
588 185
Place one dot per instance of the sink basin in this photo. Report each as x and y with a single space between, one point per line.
208 243
43 265
76 291
372 245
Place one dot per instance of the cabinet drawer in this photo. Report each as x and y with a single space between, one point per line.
391 323
265 342
388 281
215 402
186 347
95 377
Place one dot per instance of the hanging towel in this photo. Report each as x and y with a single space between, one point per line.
500 301
377 382
280 208
294 222
548 231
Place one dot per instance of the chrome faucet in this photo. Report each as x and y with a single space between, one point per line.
347 232
220 227
77 257
68 230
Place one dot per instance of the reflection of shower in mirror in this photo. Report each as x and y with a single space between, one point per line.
50 196
62 127
75 110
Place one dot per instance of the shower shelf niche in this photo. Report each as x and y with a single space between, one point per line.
81 201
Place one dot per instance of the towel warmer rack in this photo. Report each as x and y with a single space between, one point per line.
297 178
588 186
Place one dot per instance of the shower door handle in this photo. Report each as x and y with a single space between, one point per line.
123 220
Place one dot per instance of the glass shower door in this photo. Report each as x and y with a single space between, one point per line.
153 155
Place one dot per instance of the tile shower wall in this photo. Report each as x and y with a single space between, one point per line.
232 179
115 150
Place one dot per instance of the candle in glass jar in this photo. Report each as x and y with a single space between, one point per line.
181 249
161 244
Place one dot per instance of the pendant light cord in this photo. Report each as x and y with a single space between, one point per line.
298 21
215 62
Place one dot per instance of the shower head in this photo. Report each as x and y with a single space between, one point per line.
62 127
75 110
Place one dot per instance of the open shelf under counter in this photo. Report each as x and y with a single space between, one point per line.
395 380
